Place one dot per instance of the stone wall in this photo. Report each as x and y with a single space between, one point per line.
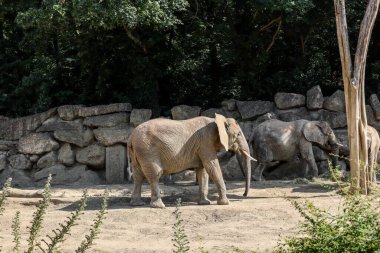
86 145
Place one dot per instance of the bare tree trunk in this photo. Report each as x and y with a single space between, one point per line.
354 84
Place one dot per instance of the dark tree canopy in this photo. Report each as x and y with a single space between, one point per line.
156 54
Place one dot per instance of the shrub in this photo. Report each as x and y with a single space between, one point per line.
354 228
52 243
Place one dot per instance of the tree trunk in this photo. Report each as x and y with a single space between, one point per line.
354 80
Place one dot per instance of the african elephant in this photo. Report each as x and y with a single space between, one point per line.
276 140
163 146
373 147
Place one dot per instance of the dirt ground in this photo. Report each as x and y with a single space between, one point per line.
257 222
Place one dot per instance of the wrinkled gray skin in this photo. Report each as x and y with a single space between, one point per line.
276 140
161 147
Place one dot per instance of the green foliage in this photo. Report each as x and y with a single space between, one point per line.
355 228
181 244
4 195
38 216
157 54
16 232
64 229
95 228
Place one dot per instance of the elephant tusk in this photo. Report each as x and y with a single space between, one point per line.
339 144
246 153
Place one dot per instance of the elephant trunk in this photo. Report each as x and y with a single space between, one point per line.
247 170
334 155
244 160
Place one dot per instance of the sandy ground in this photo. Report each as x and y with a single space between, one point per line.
257 222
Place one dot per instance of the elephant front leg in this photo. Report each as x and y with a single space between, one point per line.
202 177
307 154
211 164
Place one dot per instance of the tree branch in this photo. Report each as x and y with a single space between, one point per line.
136 40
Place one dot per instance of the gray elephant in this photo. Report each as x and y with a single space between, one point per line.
163 146
276 140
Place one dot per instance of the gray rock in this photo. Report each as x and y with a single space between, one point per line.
3 118
89 177
93 155
34 158
14 129
252 109
3 162
104 109
335 102
289 100
108 120
20 162
139 116
229 105
371 118
335 119
81 138
111 136
182 112
69 112
66 155
230 166
47 160
228 114
37 143
20 178
314 98
56 124
246 127
61 174
375 104
293 114
116 163
7 145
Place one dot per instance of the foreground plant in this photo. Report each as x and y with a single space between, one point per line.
355 228
4 195
181 243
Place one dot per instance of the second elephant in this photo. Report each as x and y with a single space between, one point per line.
276 140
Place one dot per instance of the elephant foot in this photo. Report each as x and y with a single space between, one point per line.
257 178
137 202
223 201
204 202
157 203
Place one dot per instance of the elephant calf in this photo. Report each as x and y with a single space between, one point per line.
276 140
163 146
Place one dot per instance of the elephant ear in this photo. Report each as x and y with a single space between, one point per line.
221 122
313 133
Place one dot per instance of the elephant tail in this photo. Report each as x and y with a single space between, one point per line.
129 161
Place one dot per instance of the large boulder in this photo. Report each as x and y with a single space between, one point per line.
69 112
7 145
293 114
55 124
66 155
37 143
252 109
335 119
108 120
65 175
289 100
47 160
314 98
229 105
335 102
81 138
139 116
182 112
93 155
19 162
375 104
104 109
371 118
3 161
228 114
20 178
113 135
116 162
14 129
246 127
230 166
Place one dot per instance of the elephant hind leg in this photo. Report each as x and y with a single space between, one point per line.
202 177
153 178
258 173
138 180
